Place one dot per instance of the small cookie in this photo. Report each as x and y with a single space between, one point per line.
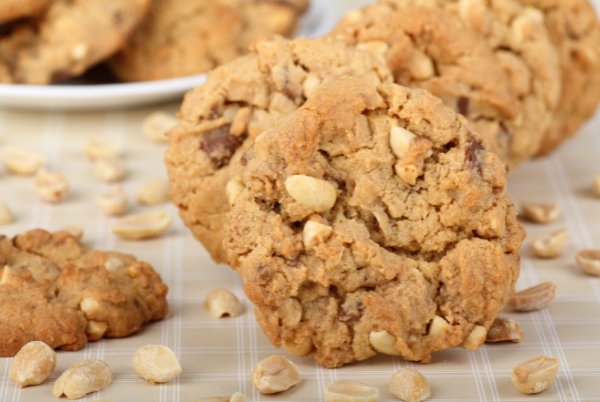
518 37
372 209
67 39
63 293
182 38
575 30
220 119
11 10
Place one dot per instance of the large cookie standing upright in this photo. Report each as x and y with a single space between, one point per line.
240 100
189 37
496 65
373 218
67 39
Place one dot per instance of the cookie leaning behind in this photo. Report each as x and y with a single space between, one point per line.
220 119
67 39
56 290
411 233
182 38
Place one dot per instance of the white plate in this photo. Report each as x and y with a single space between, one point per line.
319 20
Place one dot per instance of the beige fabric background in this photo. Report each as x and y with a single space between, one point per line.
218 356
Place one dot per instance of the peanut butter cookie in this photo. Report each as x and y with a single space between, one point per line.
220 119
11 10
373 219
182 38
56 290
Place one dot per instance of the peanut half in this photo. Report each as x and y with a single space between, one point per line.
6 217
22 161
318 195
156 363
275 374
551 245
156 125
533 298
82 378
383 342
540 212
33 364
237 397
504 329
142 226
114 202
109 169
535 375
589 261
409 385
476 338
49 186
350 391
222 303
154 192
97 148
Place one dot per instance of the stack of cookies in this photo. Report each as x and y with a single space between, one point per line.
357 182
44 41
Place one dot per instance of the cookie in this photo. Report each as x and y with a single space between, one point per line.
575 30
67 39
11 10
56 290
499 69
220 119
373 218
182 38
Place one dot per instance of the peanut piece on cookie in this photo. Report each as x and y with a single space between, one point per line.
318 195
82 378
275 374
237 397
534 298
535 375
33 364
383 341
156 363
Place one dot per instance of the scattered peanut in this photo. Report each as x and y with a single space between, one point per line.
82 378
237 397
275 374
540 213
504 329
222 303
476 338
50 186
154 192
315 233
409 385
589 261
142 226
156 363
383 341
22 161
97 148
533 298
6 217
74 230
318 195
535 375
596 185
33 364
156 125
113 202
109 169
350 391
551 245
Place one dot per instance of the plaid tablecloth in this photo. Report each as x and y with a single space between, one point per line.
218 356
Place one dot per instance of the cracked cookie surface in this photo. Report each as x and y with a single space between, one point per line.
192 37
63 293
495 65
67 39
371 209
220 119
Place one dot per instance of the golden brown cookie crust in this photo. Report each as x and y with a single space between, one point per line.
11 10
192 37
67 39
398 252
57 287
220 119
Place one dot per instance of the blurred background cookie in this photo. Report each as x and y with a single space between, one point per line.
14 9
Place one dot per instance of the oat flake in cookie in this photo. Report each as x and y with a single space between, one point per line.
220 119
411 231
56 290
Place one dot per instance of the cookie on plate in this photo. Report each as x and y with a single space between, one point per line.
56 290
519 38
182 38
575 30
220 119
373 219
67 39
11 10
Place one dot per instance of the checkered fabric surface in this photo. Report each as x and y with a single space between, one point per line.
218 356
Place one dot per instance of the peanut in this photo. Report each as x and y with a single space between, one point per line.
315 233
22 161
97 148
476 338
33 364
154 192
383 341
6 217
535 375
142 226
533 298
237 397
275 374
318 195
113 202
589 261
156 125
109 169
540 213
409 385
156 363
49 186
82 378
504 329
350 391
551 245
222 303
233 189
